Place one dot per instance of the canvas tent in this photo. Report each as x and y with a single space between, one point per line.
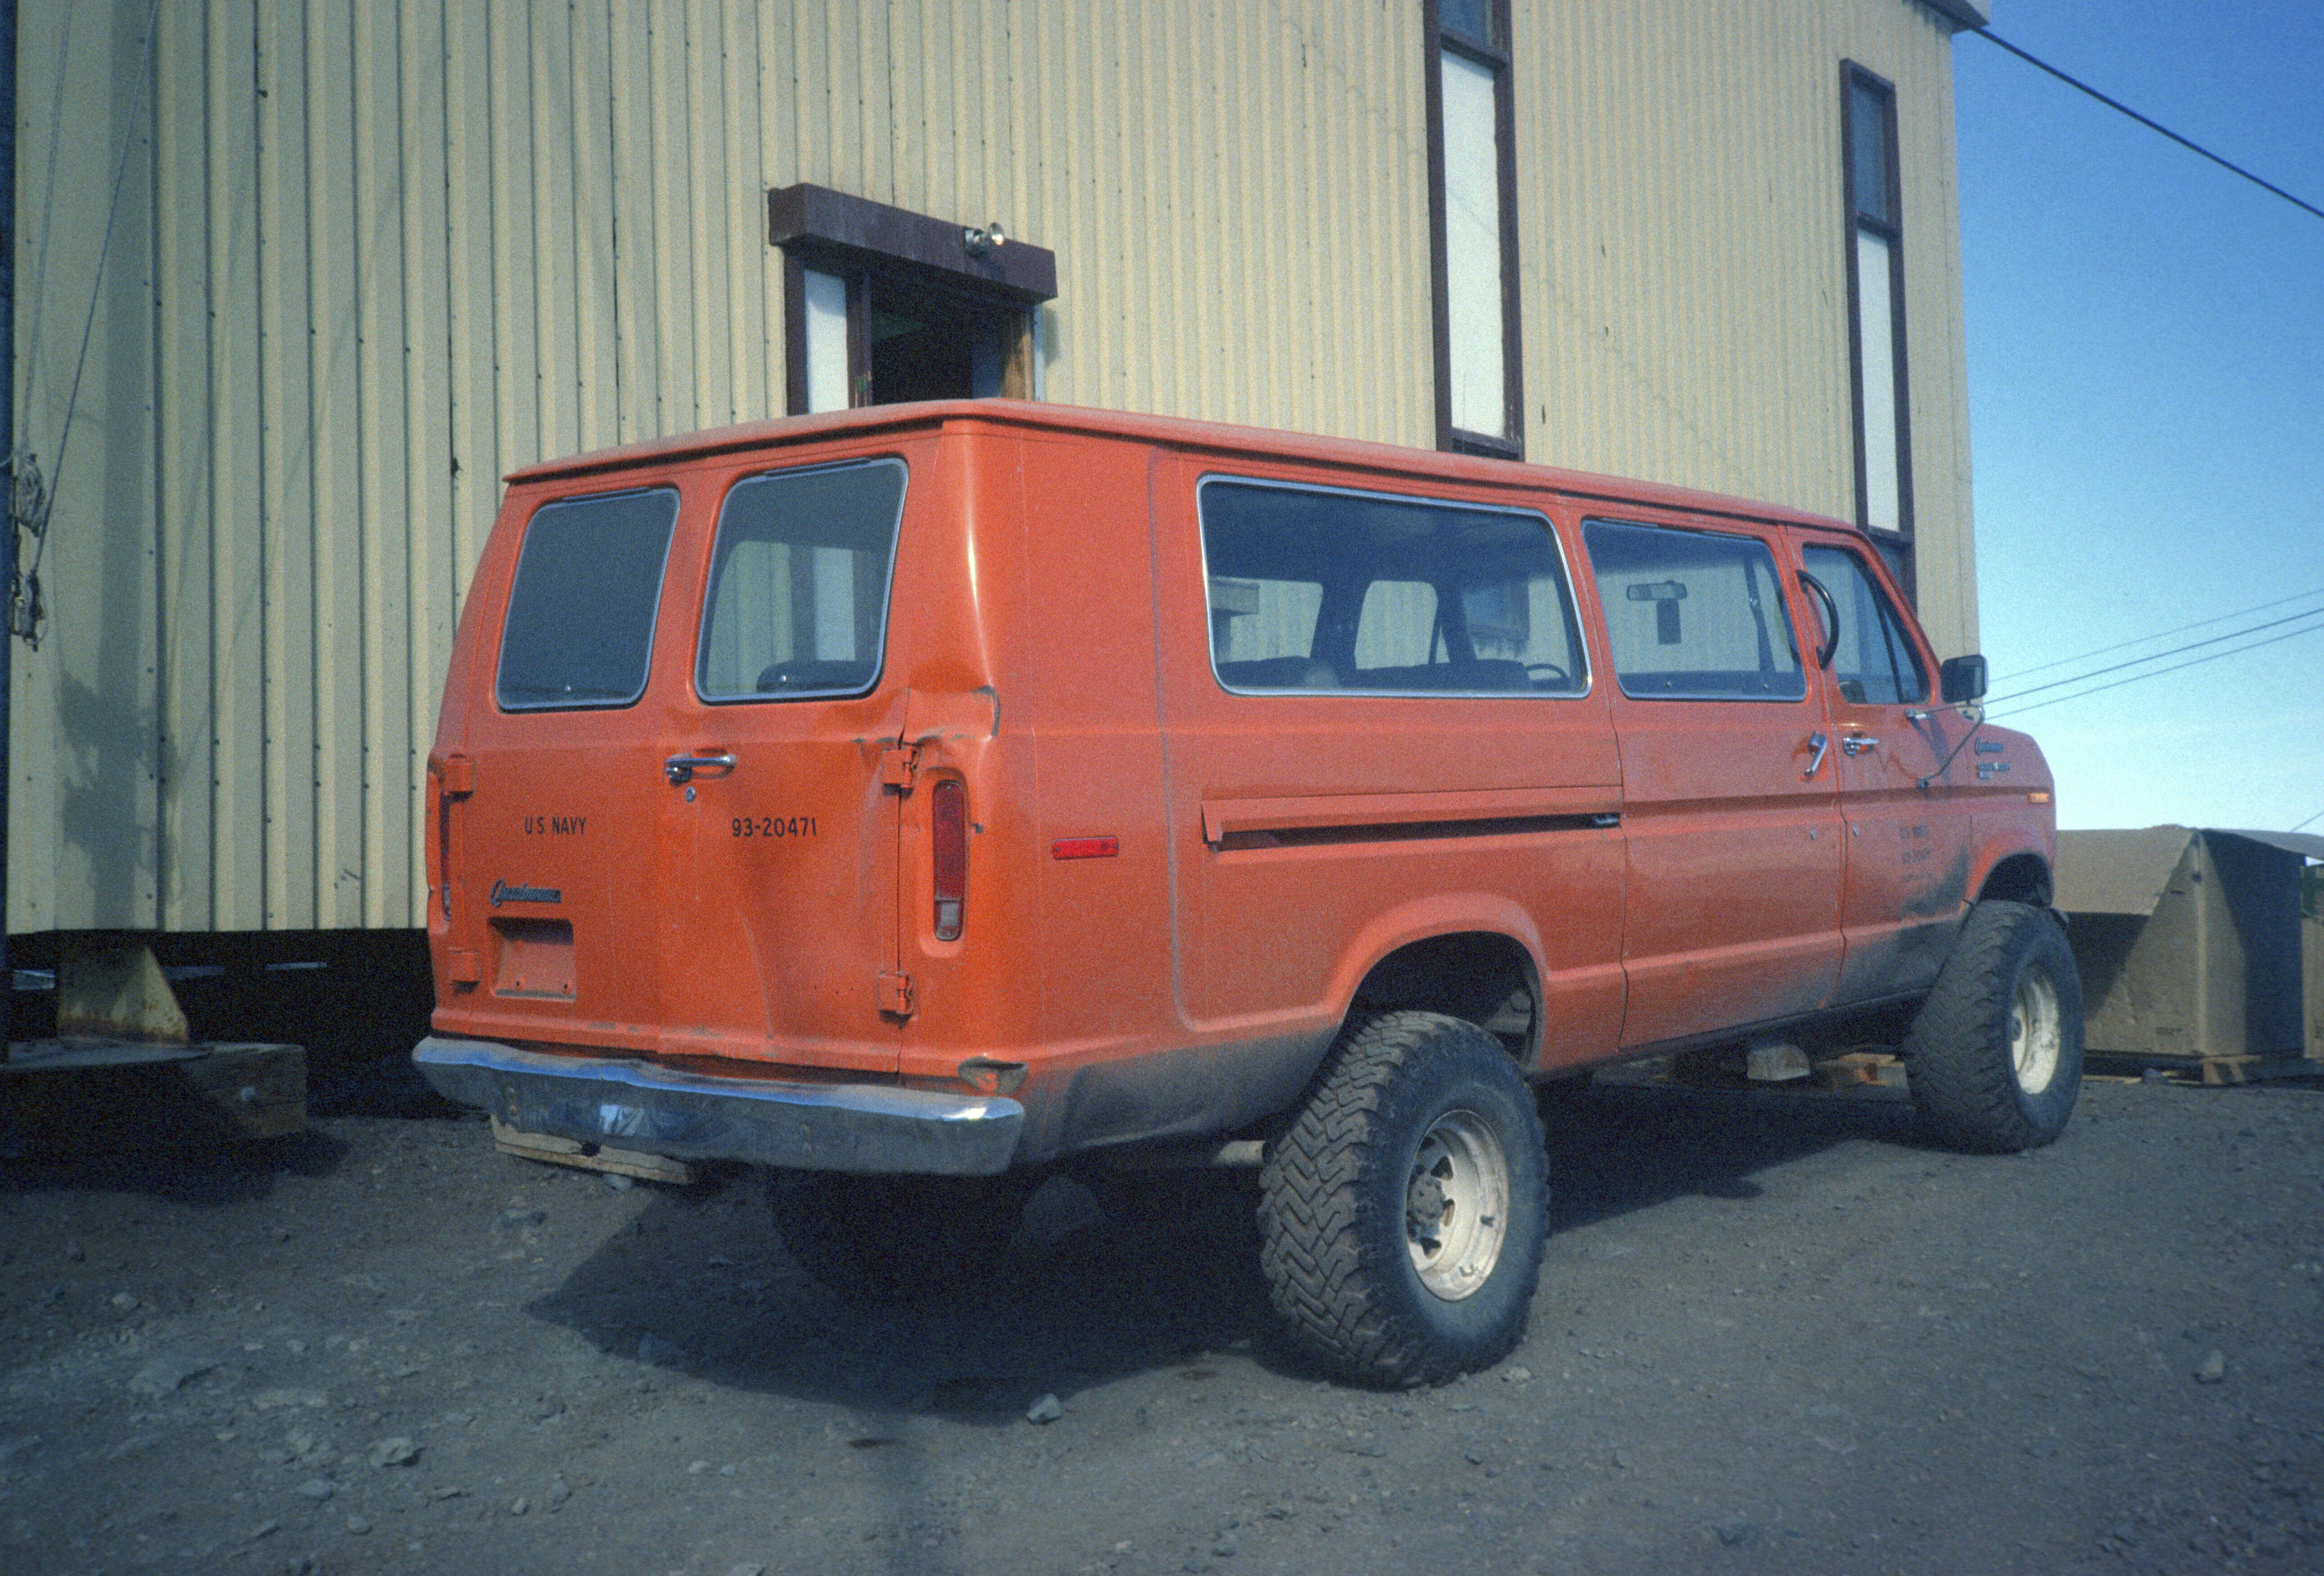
2193 945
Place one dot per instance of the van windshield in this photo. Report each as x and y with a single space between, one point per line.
798 583
581 614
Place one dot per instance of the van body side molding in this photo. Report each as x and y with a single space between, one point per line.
1492 810
685 1116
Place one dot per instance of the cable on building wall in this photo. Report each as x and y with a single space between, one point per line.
29 500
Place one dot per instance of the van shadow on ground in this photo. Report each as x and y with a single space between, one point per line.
1616 1149
212 1175
698 1281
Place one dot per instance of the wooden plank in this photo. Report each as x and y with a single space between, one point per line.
557 1151
2212 1072
2218 1071
62 1098
1858 1072
1867 1073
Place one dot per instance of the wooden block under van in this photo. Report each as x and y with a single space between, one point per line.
508 1140
64 1097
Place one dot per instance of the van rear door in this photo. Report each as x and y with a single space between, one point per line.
547 809
669 833
783 785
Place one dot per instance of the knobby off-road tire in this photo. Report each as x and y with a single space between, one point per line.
896 1238
1401 1217
1995 1059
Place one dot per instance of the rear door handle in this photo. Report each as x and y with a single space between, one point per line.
1820 745
681 768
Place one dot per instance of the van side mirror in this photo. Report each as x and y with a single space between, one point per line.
1961 679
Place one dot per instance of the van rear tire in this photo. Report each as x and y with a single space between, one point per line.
1402 1217
1994 1059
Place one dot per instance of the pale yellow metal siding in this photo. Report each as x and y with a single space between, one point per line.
83 795
369 257
371 254
1684 254
1236 196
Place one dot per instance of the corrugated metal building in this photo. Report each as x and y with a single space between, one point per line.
298 280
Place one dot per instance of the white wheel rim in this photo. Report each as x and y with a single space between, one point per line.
2035 1038
1456 1202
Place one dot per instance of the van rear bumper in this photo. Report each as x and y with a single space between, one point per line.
660 1111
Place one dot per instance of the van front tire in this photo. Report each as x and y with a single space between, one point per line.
1995 1057
1401 1218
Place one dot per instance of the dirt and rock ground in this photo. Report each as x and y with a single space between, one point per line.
1773 1335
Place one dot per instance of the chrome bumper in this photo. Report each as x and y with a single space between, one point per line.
660 1111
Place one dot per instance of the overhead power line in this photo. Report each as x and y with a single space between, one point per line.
2152 124
2157 635
2136 677
2158 655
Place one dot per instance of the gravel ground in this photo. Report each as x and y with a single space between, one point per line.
1772 1336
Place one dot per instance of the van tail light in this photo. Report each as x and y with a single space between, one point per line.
948 812
455 777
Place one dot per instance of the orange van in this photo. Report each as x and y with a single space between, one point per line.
917 799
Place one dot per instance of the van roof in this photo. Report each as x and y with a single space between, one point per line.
1380 460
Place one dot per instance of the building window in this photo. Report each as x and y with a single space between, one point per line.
1472 228
1876 294
882 305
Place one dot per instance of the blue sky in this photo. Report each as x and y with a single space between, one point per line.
2147 395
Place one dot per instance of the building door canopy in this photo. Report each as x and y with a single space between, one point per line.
882 305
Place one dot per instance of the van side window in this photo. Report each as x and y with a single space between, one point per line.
1358 592
1691 615
1874 663
581 613
798 583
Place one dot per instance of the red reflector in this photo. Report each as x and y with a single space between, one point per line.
948 822
1085 847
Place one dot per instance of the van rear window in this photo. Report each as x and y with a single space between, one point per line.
1360 592
581 614
798 583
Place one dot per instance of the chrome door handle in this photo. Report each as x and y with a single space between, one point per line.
1857 743
681 768
1820 744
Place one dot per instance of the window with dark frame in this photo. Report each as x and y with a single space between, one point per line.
1876 296
882 305
1369 593
580 624
1693 614
1873 662
1472 228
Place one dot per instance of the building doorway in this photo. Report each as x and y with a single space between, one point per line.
884 306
